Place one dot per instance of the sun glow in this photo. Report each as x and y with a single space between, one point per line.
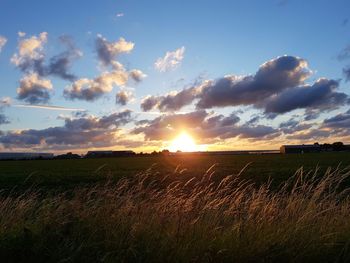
183 143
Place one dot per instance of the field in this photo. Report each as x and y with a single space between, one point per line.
228 208
70 173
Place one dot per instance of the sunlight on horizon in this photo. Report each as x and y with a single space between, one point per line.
185 143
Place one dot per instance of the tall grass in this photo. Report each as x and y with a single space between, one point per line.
154 217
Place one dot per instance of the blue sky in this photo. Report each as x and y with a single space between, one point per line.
219 38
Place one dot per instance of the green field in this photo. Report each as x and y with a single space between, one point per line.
67 173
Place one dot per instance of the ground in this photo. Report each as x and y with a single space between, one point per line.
68 173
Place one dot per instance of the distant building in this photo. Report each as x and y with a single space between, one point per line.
24 156
304 148
100 154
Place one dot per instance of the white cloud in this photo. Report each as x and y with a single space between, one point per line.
30 49
92 89
171 60
119 15
21 34
3 41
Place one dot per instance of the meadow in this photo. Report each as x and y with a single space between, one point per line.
76 172
236 208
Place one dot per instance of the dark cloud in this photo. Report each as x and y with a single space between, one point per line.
346 72
81 132
31 57
171 102
339 121
254 120
33 89
292 126
203 125
277 87
271 78
311 114
60 64
321 95
123 97
108 51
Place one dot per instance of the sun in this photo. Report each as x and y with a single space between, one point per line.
183 143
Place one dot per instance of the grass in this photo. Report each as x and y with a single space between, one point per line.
159 216
67 174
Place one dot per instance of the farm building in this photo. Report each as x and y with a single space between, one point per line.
24 156
99 154
304 148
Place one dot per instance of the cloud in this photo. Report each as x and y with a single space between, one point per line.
277 87
310 134
271 78
31 57
292 126
123 97
203 125
171 60
33 89
59 65
170 102
119 15
345 55
47 107
3 41
108 51
88 131
137 75
339 121
92 89
30 52
321 95
4 102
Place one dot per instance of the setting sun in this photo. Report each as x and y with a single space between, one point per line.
183 143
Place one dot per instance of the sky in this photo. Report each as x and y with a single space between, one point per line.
141 75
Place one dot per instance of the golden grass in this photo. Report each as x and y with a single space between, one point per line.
154 217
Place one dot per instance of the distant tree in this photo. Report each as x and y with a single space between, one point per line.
337 146
165 152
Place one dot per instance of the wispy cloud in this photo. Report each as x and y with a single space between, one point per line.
47 107
3 41
171 60
119 15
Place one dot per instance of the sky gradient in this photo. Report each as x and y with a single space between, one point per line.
234 75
